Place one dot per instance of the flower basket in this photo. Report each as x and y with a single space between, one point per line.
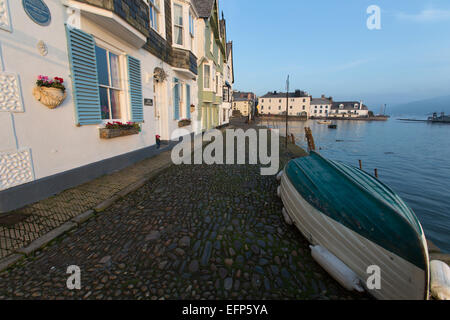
192 108
118 129
49 97
184 123
50 93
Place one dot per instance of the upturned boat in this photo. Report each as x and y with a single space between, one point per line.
360 221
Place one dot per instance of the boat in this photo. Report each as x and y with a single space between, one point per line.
324 122
439 119
360 221
332 126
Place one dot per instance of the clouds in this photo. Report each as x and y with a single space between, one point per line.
426 15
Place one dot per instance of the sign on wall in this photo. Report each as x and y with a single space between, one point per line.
37 11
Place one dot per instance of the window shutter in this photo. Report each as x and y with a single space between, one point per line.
188 101
83 67
176 99
135 87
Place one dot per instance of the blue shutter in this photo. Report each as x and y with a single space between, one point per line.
83 67
135 86
176 99
188 101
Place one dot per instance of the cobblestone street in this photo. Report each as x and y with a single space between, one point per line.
192 232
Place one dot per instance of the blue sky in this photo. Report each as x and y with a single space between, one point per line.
326 47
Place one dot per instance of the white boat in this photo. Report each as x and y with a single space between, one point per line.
324 122
360 221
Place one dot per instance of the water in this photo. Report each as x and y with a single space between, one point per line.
413 158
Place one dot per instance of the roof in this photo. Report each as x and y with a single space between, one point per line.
296 94
204 7
320 101
348 105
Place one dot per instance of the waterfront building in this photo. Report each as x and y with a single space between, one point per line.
122 61
244 102
226 109
349 109
320 107
274 103
212 59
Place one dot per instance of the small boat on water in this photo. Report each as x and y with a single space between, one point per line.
360 221
324 122
332 126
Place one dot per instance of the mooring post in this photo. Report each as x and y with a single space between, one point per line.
376 173
360 164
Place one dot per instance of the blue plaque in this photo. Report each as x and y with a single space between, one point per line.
38 11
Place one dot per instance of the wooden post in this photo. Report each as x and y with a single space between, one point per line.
376 173
360 164
310 139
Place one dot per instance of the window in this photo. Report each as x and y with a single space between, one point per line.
291 107
191 24
207 77
279 101
154 12
178 23
304 100
262 100
279 108
217 84
303 107
108 71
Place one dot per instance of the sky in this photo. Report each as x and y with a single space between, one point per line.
326 48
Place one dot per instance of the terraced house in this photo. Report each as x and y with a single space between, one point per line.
212 58
113 75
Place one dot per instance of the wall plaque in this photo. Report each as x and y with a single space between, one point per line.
37 11
148 102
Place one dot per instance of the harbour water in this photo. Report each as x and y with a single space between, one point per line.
413 158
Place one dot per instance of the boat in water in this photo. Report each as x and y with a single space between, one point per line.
360 221
324 122
439 119
332 126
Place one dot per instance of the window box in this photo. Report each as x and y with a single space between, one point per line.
184 123
118 129
106 133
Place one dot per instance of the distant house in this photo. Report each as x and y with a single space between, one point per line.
244 102
274 103
349 109
320 107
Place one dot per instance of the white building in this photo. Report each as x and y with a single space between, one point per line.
320 107
274 103
227 97
118 64
349 109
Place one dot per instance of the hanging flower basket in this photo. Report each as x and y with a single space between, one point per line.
50 93
192 108
184 123
159 74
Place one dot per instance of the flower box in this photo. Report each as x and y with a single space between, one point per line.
184 123
118 129
106 133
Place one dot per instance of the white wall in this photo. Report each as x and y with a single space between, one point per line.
56 143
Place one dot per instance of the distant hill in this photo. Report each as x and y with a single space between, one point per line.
422 108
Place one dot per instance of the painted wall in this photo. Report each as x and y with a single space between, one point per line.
38 142
277 106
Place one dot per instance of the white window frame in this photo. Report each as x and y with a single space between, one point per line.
178 25
155 4
208 88
123 80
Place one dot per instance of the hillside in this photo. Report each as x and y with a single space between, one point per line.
422 108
